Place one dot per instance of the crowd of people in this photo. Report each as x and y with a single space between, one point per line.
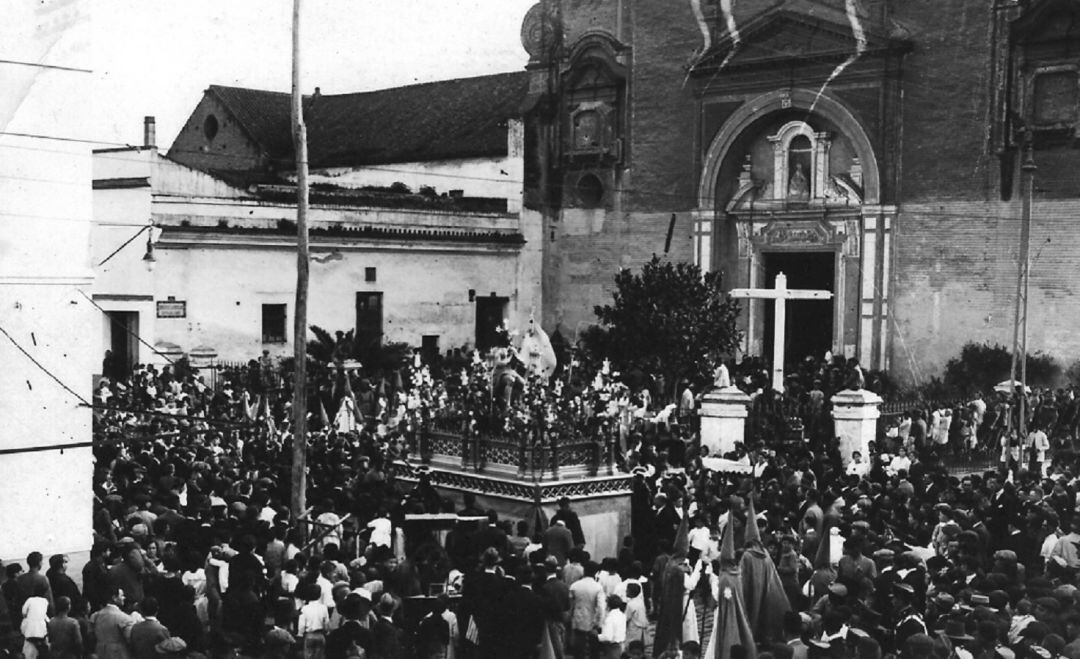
799 554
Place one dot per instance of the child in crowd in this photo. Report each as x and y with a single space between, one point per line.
35 620
313 622
637 623
613 633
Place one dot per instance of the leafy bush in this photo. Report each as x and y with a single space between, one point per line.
980 366
669 319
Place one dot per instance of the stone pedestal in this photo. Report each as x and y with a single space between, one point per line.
723 419
855 415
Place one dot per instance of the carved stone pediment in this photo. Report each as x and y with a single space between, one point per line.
795 233
782 36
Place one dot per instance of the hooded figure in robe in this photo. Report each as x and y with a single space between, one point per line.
676 622
824 572
763 592
730 626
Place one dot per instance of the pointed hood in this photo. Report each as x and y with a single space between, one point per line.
823 557
727 541
752 534
323 418
682 538
764 598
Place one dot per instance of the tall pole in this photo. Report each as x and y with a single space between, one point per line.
299 446
1020 333
779 333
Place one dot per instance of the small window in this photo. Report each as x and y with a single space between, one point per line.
273 323
1055 97
370 274
590 191
210 127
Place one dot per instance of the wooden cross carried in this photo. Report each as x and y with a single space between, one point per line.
780 295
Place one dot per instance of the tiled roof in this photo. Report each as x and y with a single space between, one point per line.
447 119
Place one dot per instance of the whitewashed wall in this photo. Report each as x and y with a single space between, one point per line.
45 211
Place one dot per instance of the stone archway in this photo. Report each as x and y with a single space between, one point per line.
751 111
859 234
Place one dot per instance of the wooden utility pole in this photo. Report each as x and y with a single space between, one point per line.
303 262
1020 333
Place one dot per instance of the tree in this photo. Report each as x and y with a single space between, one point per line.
669 319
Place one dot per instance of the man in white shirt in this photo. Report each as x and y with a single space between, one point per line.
857 467
381 530
1037 446
900 463
698 536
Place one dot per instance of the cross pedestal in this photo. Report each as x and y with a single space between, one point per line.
723 419
780 294
855 415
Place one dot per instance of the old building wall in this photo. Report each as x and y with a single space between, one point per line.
228 147
956 279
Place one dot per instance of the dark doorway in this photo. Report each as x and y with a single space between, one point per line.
490 312
809 326
369 323
123 341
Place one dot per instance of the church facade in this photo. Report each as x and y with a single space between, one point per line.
867 148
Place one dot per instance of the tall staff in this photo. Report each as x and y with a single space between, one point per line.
299 448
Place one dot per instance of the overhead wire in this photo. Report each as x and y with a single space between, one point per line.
42 367
127 329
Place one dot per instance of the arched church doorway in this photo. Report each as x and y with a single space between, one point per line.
790 183
809 327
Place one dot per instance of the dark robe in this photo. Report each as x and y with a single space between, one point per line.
764 598
669 620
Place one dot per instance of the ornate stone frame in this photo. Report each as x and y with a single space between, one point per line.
805 99
781 143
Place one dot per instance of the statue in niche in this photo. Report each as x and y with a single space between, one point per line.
798 185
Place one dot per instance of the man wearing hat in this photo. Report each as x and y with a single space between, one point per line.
907 620
957 638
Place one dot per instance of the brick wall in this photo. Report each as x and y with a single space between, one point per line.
663 122
955 281
589 248
946 98
231 148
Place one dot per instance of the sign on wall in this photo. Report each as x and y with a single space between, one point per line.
172 309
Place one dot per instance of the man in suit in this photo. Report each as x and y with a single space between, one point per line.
587 604
112 627
555 598
521 617
572 522
491 536
558 541
28 581
147 634
387 639
481 594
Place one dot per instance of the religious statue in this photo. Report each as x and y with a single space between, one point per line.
798 186
721 378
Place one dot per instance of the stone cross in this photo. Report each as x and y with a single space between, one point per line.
779 295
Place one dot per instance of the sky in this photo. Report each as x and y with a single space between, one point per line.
155 57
